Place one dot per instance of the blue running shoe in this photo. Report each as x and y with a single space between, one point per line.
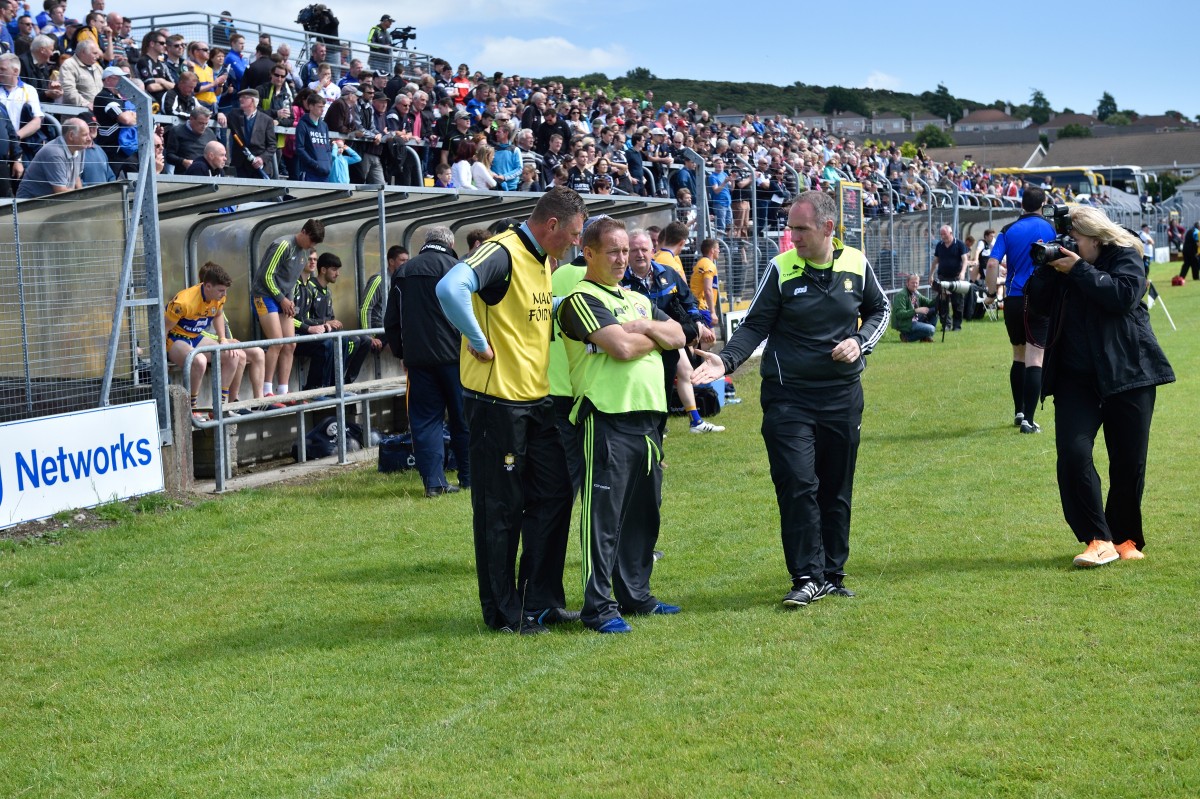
663 609
617 625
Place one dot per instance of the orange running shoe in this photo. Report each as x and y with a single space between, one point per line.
1097 553
1129 551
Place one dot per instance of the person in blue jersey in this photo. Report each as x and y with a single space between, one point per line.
1026 330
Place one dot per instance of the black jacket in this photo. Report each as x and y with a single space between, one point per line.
415 327
314 305
804 317
1115 324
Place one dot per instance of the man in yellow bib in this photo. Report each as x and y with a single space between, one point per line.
500 299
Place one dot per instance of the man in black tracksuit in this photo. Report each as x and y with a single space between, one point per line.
809 306
419 332
314 314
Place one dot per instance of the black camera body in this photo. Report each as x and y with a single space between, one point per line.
1043 252
404 35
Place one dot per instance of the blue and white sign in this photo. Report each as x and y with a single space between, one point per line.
77 460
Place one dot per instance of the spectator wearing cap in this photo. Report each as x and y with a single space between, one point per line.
94 166
381 44
187 140
460 132
254 148
117 123
57 167
81 76
342 116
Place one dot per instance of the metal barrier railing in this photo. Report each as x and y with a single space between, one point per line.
201 25
309 400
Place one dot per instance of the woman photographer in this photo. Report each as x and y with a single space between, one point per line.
1102 365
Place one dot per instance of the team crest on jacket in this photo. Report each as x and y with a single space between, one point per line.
849 285
510 462
641 312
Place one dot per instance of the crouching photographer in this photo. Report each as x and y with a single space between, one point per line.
1102 364
913 314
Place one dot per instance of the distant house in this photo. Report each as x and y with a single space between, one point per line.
1162 122
848 122
989 119
1059 121
812 119
887 123
923 120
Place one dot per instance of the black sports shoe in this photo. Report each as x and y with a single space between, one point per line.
658 555
554 616
1030 427
838 588
1018 417
529 626
437 491
806 594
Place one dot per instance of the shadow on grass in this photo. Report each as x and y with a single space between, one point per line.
328 633
398 573
922 433
964 564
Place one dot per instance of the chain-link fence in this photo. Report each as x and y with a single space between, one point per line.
61 264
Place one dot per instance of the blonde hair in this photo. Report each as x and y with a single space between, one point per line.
1092 222
484 154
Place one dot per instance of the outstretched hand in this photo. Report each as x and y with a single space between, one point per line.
713 368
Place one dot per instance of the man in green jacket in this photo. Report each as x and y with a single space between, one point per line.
913 313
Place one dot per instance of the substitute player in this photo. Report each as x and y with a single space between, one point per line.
189 314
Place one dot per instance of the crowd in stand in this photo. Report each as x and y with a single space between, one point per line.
236 104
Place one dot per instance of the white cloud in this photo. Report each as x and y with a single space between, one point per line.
551 55
882 80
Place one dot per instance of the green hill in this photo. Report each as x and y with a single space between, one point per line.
764 97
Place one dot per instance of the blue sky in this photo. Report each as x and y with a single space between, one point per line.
1140 53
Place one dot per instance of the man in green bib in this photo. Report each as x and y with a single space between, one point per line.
614 340
821 310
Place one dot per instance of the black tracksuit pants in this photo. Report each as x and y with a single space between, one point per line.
1079 413
813 452
622 492
520 493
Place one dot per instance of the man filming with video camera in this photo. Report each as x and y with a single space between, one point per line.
1026 331
949 265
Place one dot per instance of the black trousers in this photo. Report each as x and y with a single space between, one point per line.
321 360
1079 413
1194 265
619 522
572 438
520 494
813 453
947 302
